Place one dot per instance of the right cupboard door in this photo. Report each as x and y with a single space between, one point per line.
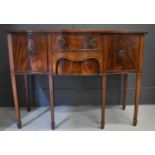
123 53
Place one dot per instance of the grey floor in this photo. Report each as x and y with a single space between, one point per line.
79 118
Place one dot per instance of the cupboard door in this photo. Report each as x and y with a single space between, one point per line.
122 53
30 52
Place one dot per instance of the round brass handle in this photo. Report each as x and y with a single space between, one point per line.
123 53
62 43
93 42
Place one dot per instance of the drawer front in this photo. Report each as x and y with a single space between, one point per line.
77 63
29 52
76 41
122 53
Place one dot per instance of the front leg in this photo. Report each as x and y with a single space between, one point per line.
103 101
51 94
137 98
16 103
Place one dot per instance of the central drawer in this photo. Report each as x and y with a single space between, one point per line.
77 63
76 41
76 53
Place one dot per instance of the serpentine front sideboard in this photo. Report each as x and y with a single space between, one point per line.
75 52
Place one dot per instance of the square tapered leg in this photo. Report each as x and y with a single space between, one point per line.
137 98
16 103
26 83
51 94
103 101
124 96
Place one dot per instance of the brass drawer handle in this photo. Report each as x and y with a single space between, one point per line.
123 53
93 42
62 43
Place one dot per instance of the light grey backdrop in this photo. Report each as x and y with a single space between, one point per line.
79 90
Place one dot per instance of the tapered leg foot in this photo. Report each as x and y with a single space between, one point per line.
28 109
134 122
19 125
102 125
123 107
53 125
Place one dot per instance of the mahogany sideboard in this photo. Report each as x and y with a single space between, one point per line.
75 52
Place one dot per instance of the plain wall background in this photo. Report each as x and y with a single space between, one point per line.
79 90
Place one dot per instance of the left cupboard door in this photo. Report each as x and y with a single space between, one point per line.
29 52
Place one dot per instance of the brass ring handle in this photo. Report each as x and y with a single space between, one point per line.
62 42
123 53
93 42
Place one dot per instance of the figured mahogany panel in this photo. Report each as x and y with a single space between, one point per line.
30 52
122 53
20 52
38 55
77 63
86 67
76 41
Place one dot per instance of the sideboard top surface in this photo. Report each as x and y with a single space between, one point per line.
76 31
